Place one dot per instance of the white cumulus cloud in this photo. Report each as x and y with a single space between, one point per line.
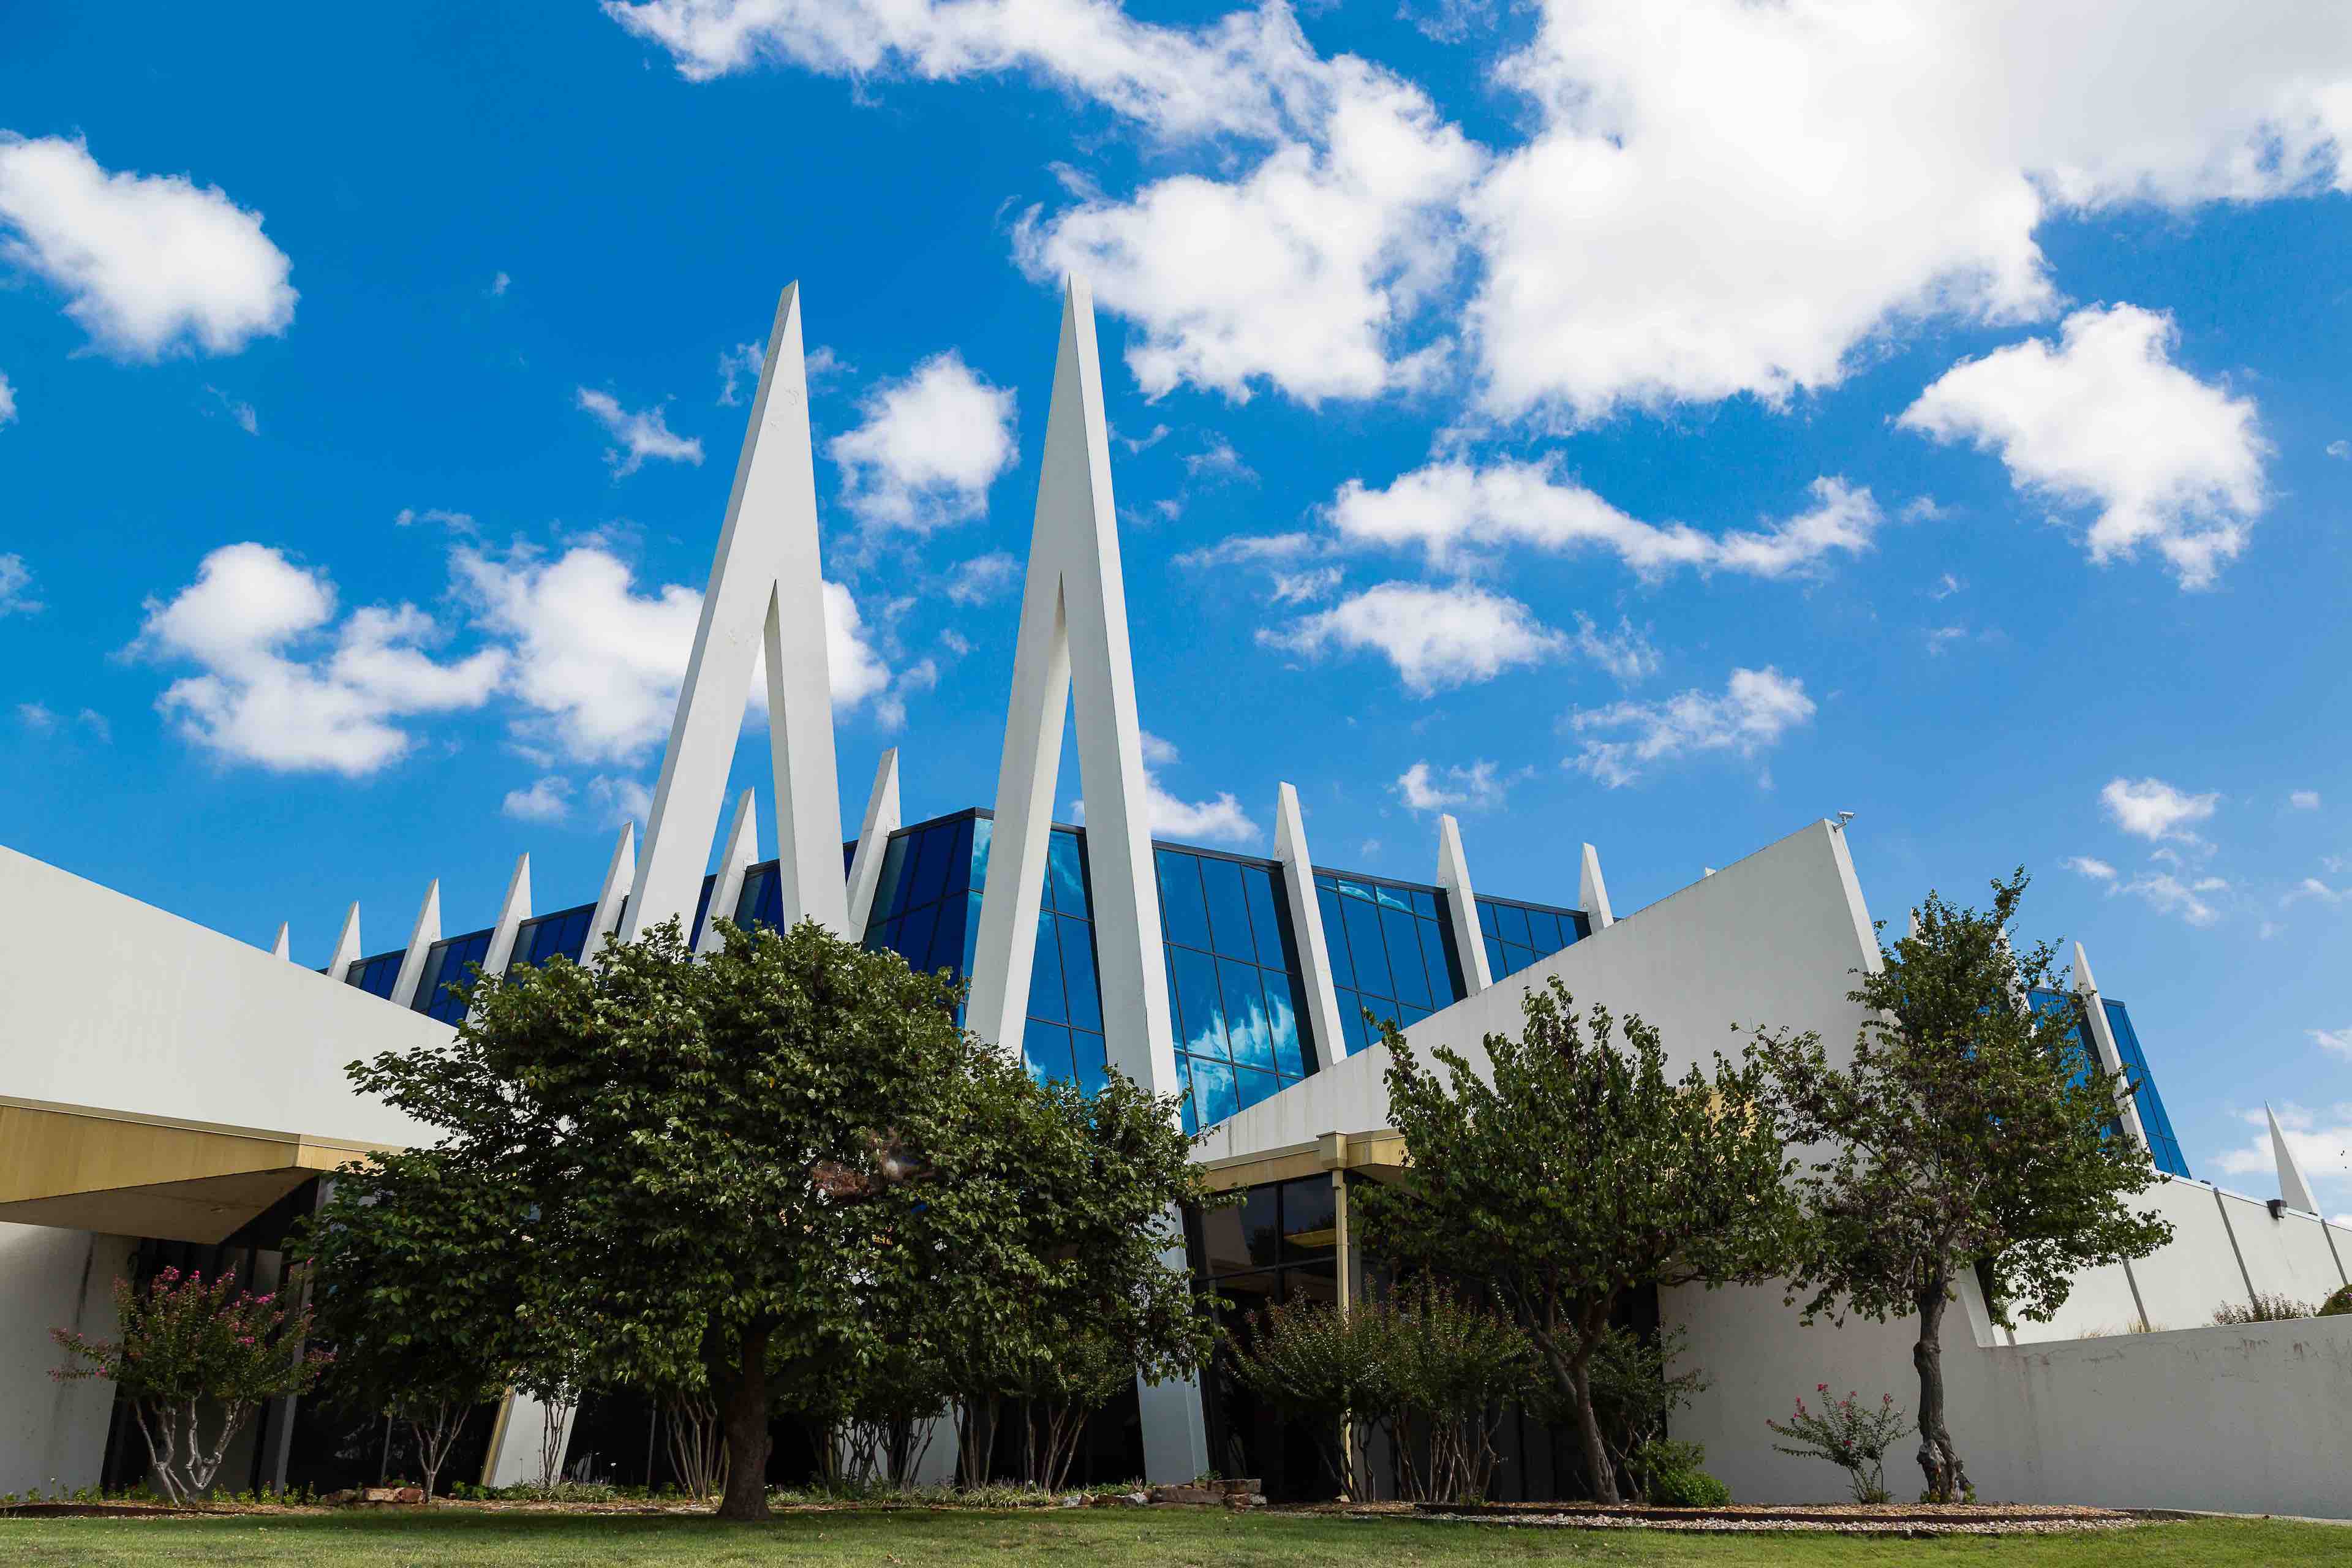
1452 511
1217 820
1753 711
1436 637
149 264
2105 419
1473 788
928 447
547 800
284 687
639 434
2154 810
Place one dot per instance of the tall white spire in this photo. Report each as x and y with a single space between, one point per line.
421 938
1306 926
766 598
873 841
2292 1187
513 910
1462 905
1592 892
727 888
620 874
347 946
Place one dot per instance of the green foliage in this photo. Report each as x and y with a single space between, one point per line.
1672 1475
2270 1307
1432 1371
186 1348
2337 1304
773 1178
1848 1433
1583 1171
1966 1130
1635 1391
420 1264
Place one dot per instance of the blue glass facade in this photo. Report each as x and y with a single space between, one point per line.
1233 990
376 975
1516 933
563 934
2163 1147
2153 1119
1391 951
450 962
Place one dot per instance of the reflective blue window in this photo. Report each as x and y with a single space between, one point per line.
1391 951
1516 934
563 934
376 975
1233 986
701 911
2163 1146
450 962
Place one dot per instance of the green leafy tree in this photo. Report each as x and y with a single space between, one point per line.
190 1351
1581 1172
1636 1389
1326 1369
1967 1132
421 1266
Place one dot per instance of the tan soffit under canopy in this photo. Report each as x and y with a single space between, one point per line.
118 1174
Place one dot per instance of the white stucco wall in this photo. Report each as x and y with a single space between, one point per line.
2285 1257
2183 1282
53 1434
2101 1303
117 1005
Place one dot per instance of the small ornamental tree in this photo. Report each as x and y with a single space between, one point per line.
1851 1435
1582 1171
192 1354
422 1264
1968 1131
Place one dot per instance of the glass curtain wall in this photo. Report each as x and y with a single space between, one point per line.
1234 995
2163 1146
450 962
1391 952
1516 933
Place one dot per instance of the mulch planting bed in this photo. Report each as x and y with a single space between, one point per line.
1838 1519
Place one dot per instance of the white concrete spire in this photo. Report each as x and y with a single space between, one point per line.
347 946
2102 1041
620 873
766 594
1913 931
1306 926
282 947
1460 903
742 849
873 841
1592 892
1074 641
513 910
421 938
2292 1187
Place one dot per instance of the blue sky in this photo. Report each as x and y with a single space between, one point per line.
1656 425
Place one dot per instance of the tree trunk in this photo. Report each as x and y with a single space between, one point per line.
1573 1371
1939 1461
743 1394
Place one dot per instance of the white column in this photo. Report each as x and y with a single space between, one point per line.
513 910
1454 876
1592 892
2103 1040
873 843
1074 642
1307 925
620 875
2292 1185
766 596
347 946
421 938
727 891
282 947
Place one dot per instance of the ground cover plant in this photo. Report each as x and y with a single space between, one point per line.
1139 1538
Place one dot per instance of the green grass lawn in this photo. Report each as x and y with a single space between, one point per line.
1083 1536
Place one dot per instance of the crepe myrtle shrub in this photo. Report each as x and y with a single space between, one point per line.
195 1360
1966 1131
1849 1433
426 1270
1579 1172
1453 1363
1323 1369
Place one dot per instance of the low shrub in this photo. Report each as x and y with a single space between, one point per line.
1668 1474
1848 1433
2339 1304
2265 1308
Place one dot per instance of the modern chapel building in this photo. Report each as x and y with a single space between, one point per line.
181 1098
